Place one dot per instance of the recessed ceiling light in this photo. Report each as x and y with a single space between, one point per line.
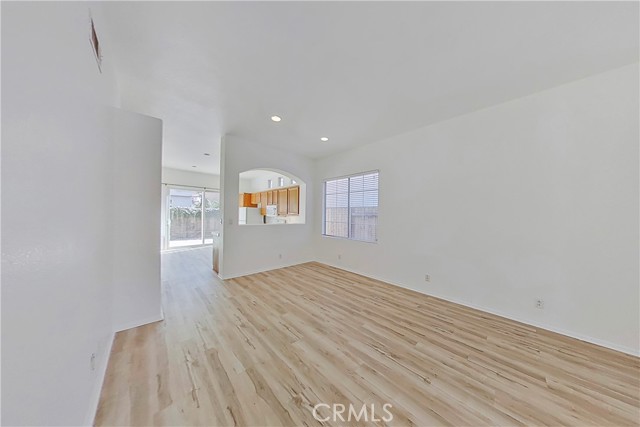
324 139
207 154
276 118
194 166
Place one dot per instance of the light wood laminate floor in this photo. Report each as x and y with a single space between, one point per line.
264 349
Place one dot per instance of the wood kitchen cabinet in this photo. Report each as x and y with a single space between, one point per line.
282 202
244 201
293 201
262 198
287 200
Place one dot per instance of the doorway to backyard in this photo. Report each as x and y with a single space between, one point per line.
191 217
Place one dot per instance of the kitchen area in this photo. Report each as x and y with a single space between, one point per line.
269 198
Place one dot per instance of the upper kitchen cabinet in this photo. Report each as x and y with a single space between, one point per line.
282 202
245 200
293 201
271 197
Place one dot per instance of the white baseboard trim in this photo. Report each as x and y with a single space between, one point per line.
97 389
95 394
140 322
248 273
552 328
541 325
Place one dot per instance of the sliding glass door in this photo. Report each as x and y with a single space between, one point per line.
212 224
193 216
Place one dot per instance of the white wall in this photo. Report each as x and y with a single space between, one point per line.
193 179
245 185
534 198
68 163
249 249
137 207
57 159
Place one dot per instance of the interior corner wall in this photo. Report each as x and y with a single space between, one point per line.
249 249
137 205
536 198
57 182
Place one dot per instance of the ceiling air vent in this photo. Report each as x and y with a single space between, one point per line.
95 44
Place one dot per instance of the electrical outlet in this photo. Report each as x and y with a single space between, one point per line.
539 304
339 256
427 278
92 362
280 256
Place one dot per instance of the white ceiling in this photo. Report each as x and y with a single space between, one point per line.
356 72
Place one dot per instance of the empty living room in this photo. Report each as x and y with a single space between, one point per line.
320 213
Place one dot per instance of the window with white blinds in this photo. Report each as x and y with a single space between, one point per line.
351 207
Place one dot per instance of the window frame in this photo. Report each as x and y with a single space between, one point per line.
324 207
